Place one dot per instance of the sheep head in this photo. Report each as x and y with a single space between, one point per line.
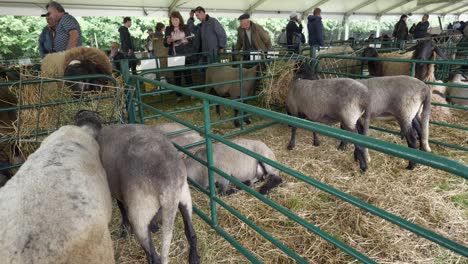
305 71
425 50
90 119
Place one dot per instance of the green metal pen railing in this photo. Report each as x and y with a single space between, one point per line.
388 148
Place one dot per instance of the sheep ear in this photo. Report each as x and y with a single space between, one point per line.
411 48
440 53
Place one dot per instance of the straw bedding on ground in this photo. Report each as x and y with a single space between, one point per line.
428 197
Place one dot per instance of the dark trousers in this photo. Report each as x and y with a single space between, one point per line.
187 74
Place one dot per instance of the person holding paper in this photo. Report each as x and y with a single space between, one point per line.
179 41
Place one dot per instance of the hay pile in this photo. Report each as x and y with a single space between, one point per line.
339 65
42 118
276 89
440 113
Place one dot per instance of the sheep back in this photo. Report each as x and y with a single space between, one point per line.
226 73
327 100
396 94
396 68
53 65
142 157
93 55
181 139
459 92
57 207
231 161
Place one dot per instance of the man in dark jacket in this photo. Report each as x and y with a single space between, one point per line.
251 36
46 39
400 32
294 36
126 44
212 37
420 30
315 28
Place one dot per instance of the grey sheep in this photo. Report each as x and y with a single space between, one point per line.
147 177
57 207
458 92
232 90
236 164
329 101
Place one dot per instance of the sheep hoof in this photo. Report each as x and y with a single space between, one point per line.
124 234
236 123
411 166
316 143
343 146
247 121
290 147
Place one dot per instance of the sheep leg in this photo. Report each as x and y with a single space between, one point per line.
316 140
417 126
236 122
292 142
140 215
343 145
125 223
169 211
185 208
273 181
412 141
218 111
359 151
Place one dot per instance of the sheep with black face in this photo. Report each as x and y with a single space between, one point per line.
147 177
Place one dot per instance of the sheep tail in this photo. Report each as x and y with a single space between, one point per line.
425 115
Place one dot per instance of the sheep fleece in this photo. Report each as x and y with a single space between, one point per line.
57 207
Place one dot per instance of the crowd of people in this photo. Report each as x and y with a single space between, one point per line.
206 37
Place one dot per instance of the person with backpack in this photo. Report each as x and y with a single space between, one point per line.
400 31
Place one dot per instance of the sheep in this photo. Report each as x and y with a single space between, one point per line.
458 92
423 50
329 101
181 139
240 166
146 175
57 207
232 90
75 62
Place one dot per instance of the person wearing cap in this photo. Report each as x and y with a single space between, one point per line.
46 39
68 31
149 43
191 22
212 36
126 43
294 36
315 28
251 36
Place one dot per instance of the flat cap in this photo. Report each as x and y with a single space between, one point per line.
244 16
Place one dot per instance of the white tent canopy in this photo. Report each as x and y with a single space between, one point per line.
258 8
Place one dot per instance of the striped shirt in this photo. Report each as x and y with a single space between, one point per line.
65 25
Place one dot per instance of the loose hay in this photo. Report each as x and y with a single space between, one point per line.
276 89
55 105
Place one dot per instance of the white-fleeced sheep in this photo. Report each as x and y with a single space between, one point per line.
57 207
236 164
